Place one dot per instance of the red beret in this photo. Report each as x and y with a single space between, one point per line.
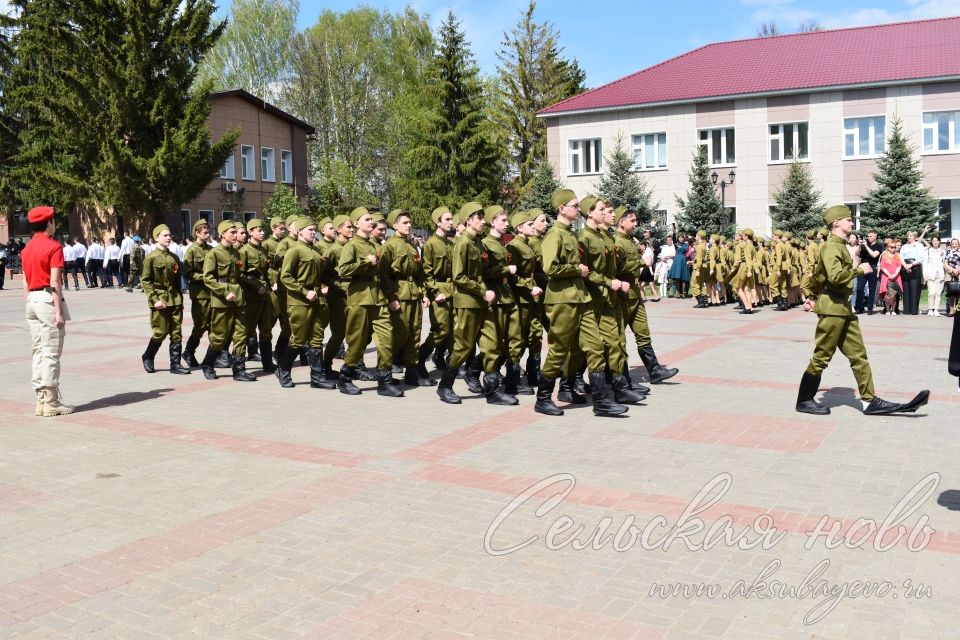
40 214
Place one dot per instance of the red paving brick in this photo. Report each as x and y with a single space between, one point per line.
742 430
14 498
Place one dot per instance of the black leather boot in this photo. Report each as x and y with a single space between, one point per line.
657 372
809 384
544 402
209 372
175 356
422 354
603 404
284 365
223 361
445 388
329 373
634 386
386 385
266 356
152 348
240 373
345 383
622 392
253 355
533 370
472 375
282 342
513 383
439 357
190 352
364 374
493 393
317 379
568 391
412 378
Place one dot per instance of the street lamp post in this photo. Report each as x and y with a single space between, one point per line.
723 196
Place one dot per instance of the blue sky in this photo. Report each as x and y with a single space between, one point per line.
614 38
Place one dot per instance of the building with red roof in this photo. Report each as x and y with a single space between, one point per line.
827 98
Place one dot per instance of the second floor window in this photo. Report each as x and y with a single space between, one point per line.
941 131
268 172
863 137
248 169
286 166
650 151
721 146
585 156
789 142
228 170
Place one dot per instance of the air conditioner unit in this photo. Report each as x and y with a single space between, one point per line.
229 186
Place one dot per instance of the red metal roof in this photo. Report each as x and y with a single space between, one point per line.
821 59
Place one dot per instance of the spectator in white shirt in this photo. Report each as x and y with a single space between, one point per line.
111 263
79 262
126 246
95 262
934 274
69 260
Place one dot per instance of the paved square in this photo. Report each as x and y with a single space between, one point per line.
174 507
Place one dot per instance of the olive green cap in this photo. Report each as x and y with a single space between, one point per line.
358 213
519 219
468 210
811 234
324 221
254 223
561 197
378 217
225 226
787 235
491 212
701 233
292 218
339 220
747 232
396 213
160 228
619 212
823 231
438 213
199 223
836 212
276 222
587 203
714 237
535 213
305 221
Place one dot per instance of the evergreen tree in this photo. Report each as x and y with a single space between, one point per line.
455 159
281 203
9 128
899 203
542 186
623 186
799 208
532 74
701 209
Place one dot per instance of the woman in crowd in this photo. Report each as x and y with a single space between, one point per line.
646 274
680 270
891 285
951 267
667 254
933 274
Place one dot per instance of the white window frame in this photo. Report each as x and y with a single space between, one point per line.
723 145
855 132
953 126
639 147
268 165
224 214
253 162
579 153
206 214
229 169
286 166
796 141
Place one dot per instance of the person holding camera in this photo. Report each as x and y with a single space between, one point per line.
870 250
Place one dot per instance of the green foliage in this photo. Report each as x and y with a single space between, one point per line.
542 186
253 52
899 203
799 208
454 159
701 209
621 184
281 203
532 74
9 125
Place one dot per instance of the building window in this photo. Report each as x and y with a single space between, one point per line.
267 165
945 226
789 142
585 156
941 131
650 151
720 145
286 166
248 170
226 215
228 171
855 209
185 227
863 137
206 214
248 216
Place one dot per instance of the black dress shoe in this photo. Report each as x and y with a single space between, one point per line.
813 407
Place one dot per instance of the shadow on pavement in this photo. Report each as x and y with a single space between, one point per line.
122 399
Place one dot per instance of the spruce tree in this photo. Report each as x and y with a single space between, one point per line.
623 186
9 128
455 159
281 204
899 203
542 186
701 209
799 208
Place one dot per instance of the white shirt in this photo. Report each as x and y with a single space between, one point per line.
112 252
177 250
95 252
933 263
126 246
147 248
79 251
69 254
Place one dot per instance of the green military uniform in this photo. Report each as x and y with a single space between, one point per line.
538 315
255 278
221 274
161 283
523 255
405 283
137 256
700 272
438 280
468 297
598 251
496 278
367 312
336 303
283 245
199 294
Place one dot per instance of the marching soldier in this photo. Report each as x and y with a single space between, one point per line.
538 316
221 274
161 284
495 336
438 274
307 278
527 291
699 275
282 247
743 270
368 310
336 297
199 294
716 269
405 283
258 315
137 256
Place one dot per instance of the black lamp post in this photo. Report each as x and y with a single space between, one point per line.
723 196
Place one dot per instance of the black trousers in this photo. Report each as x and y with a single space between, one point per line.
912 280
866 302
94 271
78 267
953 360
124 269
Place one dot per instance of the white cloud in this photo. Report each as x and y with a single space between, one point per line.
788 16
